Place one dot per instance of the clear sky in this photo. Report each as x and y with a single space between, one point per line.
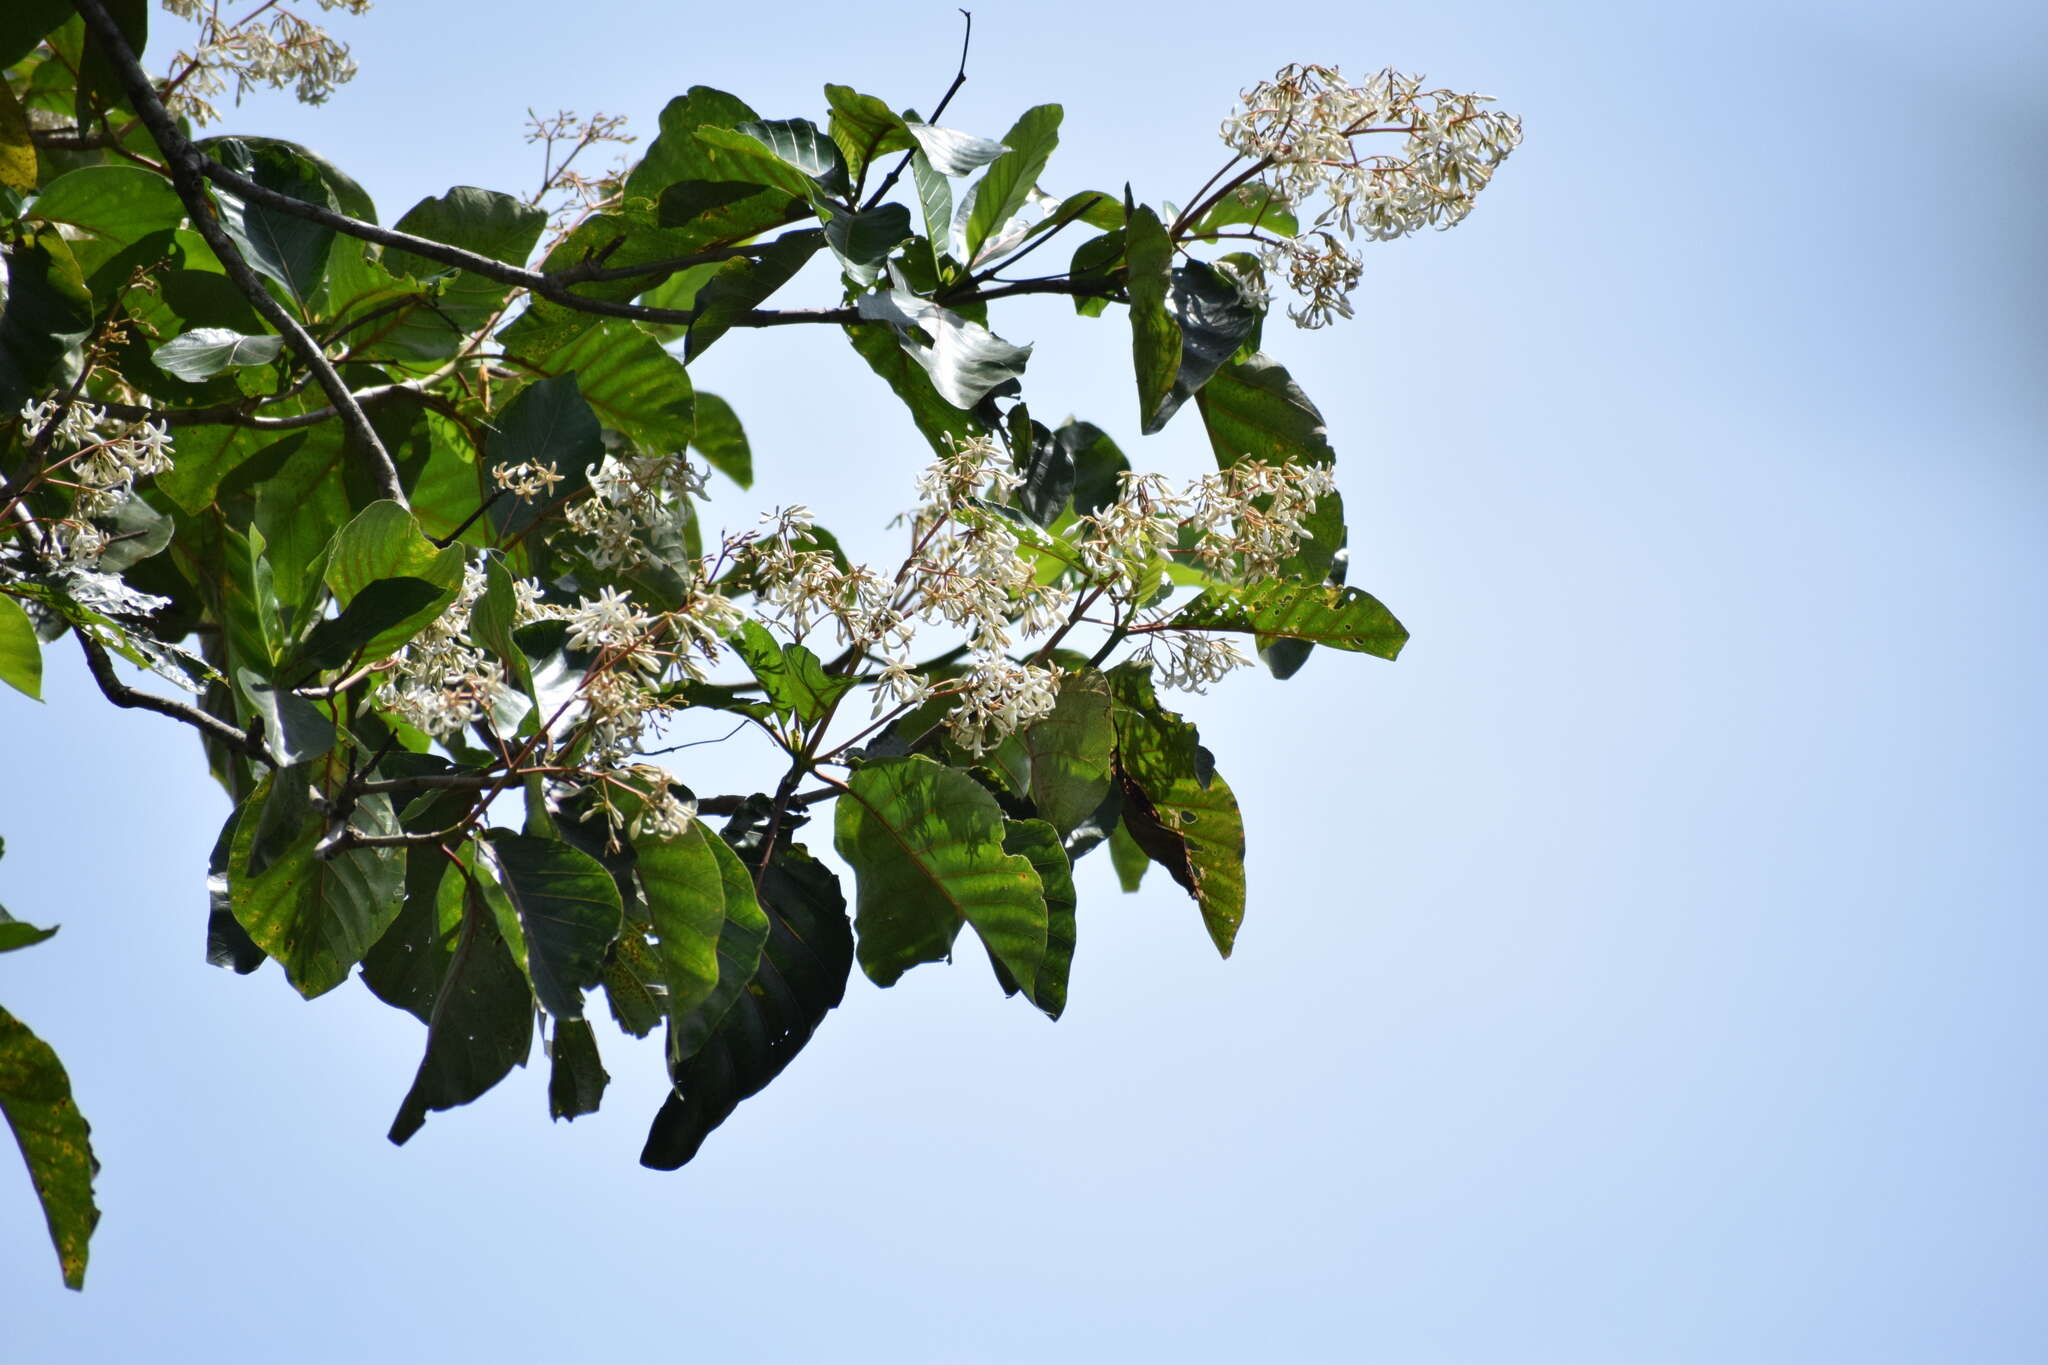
1646 967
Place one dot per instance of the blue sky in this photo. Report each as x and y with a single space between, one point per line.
1644 968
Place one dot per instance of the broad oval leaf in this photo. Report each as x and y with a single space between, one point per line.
1011 177
1321 613
570 911
926 845
1040 842
708 927
1070 750
21 656
1155 335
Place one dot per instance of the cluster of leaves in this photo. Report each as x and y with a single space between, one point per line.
343 399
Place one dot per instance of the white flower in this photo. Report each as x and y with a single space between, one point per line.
609 619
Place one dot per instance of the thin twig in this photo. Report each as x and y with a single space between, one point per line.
959 79
248 742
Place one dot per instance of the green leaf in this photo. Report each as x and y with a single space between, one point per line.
676 155
55 1141
21 657
317 915
279 246
1342 618
549 423
862 241
1177 808
926 845
570 911
1040 843
935 201
627 975
965 360
1047 467
1215 317
484 221
1155 336
936 418
794 678
1127 858
1256 204
407 964
577 1080
708 925
15 933
1010 178
800 976
17 147
742 284
953 153
863 127
206 351
796 142
46 317
482 1022
384 541
294 729
634 386
1254 409
377 610
23 24
721 440
1097 463
1069 750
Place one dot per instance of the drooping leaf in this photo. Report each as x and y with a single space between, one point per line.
317 915
708 927
862 241
384 542
935 201
481 1026
55 1141
1324 614
406 966
1040 843
1176 807
800 976
21 657
936 418
570 912
965 360
278 245
1254 409
1215 317
1069 749
1011 177
294 729
206 351
1128 859
633 385
926 845
721 440
577 1078
1046 465
373 612
1097 463
1155 335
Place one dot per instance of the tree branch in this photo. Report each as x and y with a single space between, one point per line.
186 165
248 742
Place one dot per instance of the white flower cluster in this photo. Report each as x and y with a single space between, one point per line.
1302 127
440 682
101 460
278 50
636 503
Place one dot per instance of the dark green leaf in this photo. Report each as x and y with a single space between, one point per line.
317 915
1127 858
1069 749
1155 336
407 965
1324 614
206 351
722 441
16 933
549 423
294 729
1254 409
46 316
481 1026
1188 825
374 611
1097 463
484 221
383 541
634 386
1010 178
801 975
797 142
23 24
55 1141
17 147
570 912
926 845
1040 842
1215 317
626 978
281 246
743 284
862 241
21 658
109 207
577 1079
1046 465
685 202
